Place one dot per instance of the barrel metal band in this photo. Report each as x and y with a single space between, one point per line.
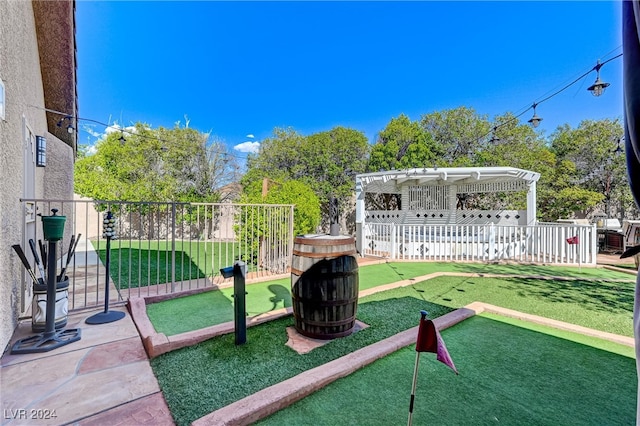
324 241
325 275
327 323
331 255
324 303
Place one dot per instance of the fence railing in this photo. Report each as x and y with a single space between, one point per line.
163 247
543 243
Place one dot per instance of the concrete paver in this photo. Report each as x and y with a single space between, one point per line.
104 378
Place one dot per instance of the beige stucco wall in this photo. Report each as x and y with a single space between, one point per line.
20 72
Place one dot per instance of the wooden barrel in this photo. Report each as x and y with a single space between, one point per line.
324 285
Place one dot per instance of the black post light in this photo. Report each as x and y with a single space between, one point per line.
108 232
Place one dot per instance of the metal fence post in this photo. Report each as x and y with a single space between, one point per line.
239 296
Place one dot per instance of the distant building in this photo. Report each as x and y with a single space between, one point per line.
37 77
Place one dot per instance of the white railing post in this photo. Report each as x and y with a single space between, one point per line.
393 241
492 242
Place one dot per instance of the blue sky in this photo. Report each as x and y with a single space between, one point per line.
243 68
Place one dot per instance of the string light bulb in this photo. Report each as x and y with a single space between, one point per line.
535 120
70 128
598 87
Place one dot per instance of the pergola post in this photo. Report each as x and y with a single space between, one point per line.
531 204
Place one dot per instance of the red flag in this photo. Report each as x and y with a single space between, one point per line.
573 240
429 340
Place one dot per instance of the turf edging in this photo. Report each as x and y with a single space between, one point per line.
274 398
158 343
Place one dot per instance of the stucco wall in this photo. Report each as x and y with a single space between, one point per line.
20 71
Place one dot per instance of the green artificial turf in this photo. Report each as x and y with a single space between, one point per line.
199 379
202 378
143 263
508 375
215 307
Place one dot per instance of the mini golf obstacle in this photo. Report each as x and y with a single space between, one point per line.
53 229
324 283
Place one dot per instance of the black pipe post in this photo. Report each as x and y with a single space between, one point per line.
334 226
240 297
50 317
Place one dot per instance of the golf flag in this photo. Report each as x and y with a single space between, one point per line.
573 240
429 340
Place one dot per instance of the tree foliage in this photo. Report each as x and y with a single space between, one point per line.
594 148
326 162
306 217
578 170
178 164
458 133
402 144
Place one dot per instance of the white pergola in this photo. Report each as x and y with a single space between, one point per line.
429 195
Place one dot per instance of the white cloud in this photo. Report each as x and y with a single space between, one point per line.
250 136
248 146
92 149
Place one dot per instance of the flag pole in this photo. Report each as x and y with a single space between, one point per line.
415 379
413 389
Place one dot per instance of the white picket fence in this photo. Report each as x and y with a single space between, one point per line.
548 243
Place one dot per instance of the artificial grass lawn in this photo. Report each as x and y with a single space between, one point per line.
215 307
508 375
200 379
143 263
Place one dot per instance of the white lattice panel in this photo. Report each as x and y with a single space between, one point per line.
475 188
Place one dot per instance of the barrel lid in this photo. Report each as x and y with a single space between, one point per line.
326 238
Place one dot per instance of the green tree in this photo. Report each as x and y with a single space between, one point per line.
262 240
599 166
307 205
179 164
327 161
458 133
402 144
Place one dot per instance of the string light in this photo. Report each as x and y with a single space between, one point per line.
122 139
535 120
598 87
70 128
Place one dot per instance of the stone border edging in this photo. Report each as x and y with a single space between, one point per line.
274 398
269 400
158 343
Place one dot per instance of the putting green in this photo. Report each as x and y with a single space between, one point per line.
508 374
